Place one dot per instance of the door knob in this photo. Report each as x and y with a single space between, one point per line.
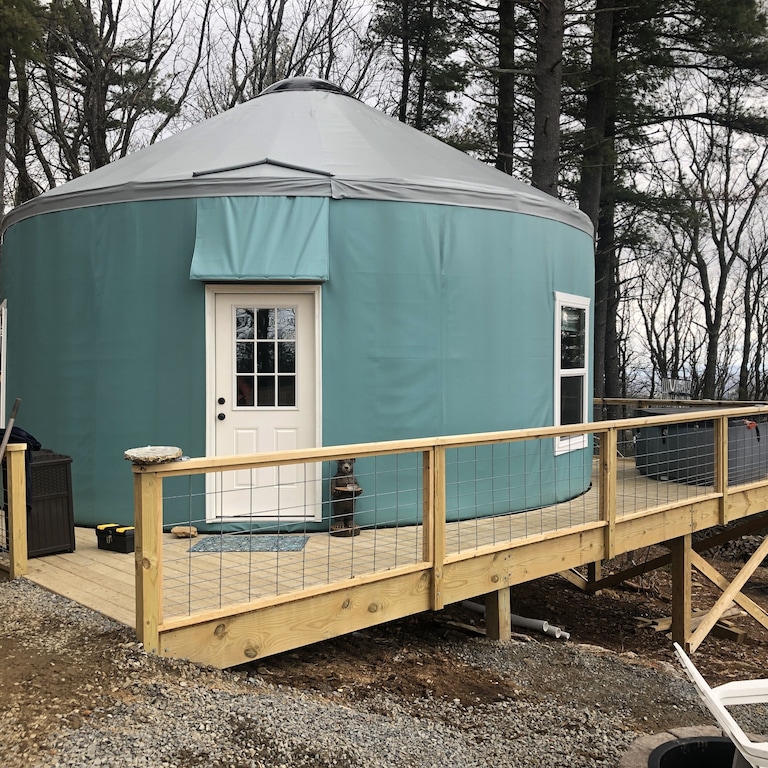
221 417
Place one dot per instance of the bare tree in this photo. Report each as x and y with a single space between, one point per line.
110 77
253 45
708 179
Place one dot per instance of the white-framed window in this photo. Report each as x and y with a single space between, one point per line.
571 360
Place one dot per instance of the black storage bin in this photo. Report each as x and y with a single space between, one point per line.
50 516
684 452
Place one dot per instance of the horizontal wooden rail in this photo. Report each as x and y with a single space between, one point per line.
280 458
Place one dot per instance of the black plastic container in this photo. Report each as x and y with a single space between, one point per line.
694 752
685 452
50 516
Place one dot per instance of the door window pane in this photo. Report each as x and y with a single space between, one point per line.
265 324
286 360
244 357
244 323
266 390
286 392
266 356
286 323
245 390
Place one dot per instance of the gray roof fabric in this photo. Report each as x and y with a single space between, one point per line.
307 142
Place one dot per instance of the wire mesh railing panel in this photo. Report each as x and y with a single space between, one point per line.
667 463
747 449
265 534
5 544
506 491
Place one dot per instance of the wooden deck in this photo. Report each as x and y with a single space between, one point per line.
105 580
226 608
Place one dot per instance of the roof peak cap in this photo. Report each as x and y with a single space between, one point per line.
303 84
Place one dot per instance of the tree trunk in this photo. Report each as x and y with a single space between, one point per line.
25 187
405 86
5 87
545 163
505 119
596 151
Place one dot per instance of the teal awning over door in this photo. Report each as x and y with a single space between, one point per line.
261 238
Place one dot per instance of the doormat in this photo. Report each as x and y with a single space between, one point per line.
240 543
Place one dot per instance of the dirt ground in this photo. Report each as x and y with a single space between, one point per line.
46 686
608 620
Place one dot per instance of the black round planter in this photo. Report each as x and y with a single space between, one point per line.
694 752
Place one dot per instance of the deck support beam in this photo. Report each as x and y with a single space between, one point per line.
710 573
498 614
681 590
729 595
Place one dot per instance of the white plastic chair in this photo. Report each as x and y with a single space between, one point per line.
748 752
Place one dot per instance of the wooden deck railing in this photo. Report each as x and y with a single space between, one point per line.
444 572
13 540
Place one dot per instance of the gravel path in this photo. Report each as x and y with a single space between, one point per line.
79 691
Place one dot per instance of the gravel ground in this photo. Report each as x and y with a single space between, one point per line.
79 691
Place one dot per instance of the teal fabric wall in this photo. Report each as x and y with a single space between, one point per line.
106 341
435 320
440 321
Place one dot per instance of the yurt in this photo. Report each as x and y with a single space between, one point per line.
301 270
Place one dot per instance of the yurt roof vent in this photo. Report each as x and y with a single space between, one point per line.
303 84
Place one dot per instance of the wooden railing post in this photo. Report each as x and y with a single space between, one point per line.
148 515
434 529
17 510
607 486
721 466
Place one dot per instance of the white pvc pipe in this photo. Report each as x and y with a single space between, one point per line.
522 621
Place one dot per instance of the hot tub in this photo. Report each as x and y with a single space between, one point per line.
685 452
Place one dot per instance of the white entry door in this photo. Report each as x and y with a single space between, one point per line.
265 399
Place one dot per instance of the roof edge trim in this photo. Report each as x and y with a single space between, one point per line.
385 190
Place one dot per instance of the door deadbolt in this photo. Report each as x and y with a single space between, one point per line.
221 401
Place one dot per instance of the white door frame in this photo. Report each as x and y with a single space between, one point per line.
211 291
